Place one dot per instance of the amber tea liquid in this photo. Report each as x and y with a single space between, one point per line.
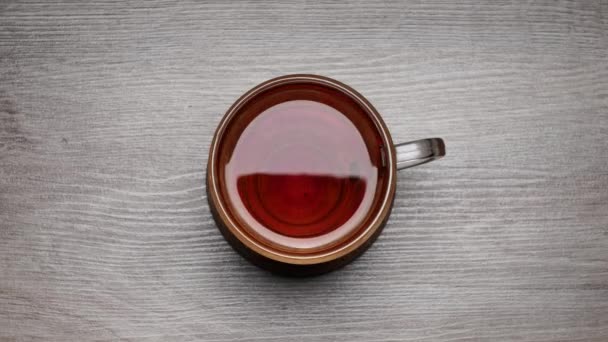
302 166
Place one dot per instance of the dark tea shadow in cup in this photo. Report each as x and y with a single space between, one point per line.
301 205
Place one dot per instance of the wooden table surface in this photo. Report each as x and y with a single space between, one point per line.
107 110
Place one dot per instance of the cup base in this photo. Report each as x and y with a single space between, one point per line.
287 269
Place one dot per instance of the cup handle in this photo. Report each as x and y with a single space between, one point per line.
419 152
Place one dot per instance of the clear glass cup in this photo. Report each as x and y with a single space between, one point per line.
302 172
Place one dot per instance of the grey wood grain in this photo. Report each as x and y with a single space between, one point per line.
107 111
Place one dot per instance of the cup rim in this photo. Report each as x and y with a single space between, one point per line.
360 238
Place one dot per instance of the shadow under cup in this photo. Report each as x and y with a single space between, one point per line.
301 175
